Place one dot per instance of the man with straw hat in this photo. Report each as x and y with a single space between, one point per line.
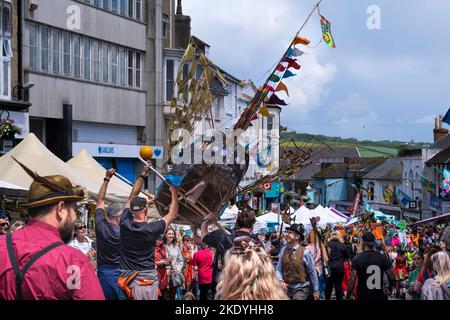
37 263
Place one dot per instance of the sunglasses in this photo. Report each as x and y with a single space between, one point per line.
82 227
4 224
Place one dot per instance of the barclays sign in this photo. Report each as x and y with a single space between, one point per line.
105 150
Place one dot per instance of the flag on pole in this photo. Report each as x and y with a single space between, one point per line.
403 197
388 193
326 32
446 182
446 118
427 184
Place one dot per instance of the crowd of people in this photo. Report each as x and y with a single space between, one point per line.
129 257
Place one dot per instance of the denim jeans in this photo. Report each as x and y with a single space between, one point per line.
322 284
108 275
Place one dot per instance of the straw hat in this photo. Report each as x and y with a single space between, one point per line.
50 189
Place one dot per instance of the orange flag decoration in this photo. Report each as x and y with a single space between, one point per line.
282 87
301 40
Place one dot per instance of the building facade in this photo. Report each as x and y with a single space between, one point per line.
96 66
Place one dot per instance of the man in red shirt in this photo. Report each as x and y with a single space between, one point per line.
203 264
36 263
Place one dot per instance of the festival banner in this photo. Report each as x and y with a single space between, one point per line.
274 100
426 183
403 197
288 74
326 32
282 87
388 193
281 68
445 185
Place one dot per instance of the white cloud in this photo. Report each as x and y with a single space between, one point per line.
374 68
353 110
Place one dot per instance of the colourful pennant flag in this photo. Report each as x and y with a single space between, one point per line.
281 68
326 32
403 197
264 112
282 87
297 52
427 184
269 88
288 60
268 158
293 65
301 40
288 74
274 78
275 101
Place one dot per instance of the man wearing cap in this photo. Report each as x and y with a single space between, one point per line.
369 266
138 276
295 269
107 230
36 264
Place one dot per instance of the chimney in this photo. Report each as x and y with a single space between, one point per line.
179 8
182 28
438 131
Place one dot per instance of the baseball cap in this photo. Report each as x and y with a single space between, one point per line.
369 239
138 203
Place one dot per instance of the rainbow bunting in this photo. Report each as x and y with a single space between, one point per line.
282 87
275 101
281 68
274 78
288 74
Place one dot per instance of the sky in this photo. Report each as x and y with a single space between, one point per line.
380 84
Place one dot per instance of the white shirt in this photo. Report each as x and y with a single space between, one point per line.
82 246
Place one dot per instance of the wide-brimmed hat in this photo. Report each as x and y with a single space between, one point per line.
50 189
297 228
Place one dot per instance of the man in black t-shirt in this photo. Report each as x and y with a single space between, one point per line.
222 241
369 267
107 232
138 277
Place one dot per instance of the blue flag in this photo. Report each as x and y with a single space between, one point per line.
403 197
446 118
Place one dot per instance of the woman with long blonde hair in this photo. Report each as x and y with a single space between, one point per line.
248 274
437 287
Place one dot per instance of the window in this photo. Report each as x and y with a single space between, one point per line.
33 46
198 72
169 79
115 5
45 48
122 67
138 10
87 58
138 70
105 62
66 53
97 3
96 58
165 26
76 56
216 108
130 67
270 123
106 4
56 51
123 7
6 19
114 64
130 8
371 191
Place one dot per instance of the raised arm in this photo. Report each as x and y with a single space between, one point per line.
173 209
103 188
138 185
205 223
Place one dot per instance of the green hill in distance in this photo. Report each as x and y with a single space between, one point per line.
367 148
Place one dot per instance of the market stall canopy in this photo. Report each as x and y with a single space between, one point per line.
38 158
445 218
86 166
303 215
